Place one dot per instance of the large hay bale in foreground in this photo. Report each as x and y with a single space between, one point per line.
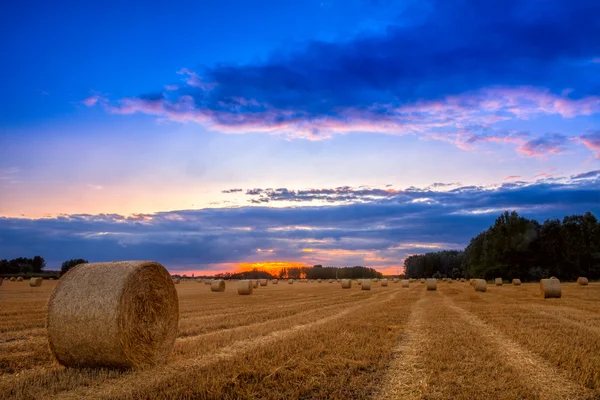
550 288
498 281
346 284
35 282
263 282
480 285
405 283
516 282
431 284
245 287
384 282
113 314
217 285
365 284
583 281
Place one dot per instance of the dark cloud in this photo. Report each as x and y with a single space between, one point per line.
231 191
368 223
548 144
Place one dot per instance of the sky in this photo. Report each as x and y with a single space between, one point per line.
218 136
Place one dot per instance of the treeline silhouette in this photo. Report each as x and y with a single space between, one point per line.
22 265
517 247
314 272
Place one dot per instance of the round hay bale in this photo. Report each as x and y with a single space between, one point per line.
516 282
331 281
431 284
113 314
359 282
177 281
498 281
245 287
405 283
20 279
13 279
254 284
422 280
217 285
35 282
263 282
462 279
449 280
365 284
384 282
290 281
346 283
583 281
395 280
274 281
374 280
550 288
480 285
318 280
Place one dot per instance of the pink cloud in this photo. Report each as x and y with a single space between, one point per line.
91 101
592 142
512 177
542 146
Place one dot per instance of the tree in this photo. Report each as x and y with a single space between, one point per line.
38 264
67 265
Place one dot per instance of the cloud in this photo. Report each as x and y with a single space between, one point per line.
90 101
592 141
231 191
436 73
541 146
357 226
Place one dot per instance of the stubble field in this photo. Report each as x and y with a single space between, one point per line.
316 340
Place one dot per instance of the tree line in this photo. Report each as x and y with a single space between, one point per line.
35 265
314 272
517 247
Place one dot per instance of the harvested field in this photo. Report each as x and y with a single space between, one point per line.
310 341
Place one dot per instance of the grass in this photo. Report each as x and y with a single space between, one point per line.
319 341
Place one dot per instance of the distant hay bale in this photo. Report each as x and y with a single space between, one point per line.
373 280
274 281
480 285
20 279
346 284
431 284
263 282
359 281
331 281
449 280
245 286
176 281
583 281
217 285
318 280
516 282
113 314
290 281
411 280
405 283
35 282
462 279
422 280
365 284
395 280
254 284
384 282
13 279
498 281
550 288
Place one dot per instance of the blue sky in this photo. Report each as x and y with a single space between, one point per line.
142 109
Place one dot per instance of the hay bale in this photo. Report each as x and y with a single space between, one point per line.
405 283
113 314
331 281
365 284
359 281
374 280
35 282
395 280
20 279
217 285
176 281
550 288
499 282
516 282
346 283
431 284
462 279
254 284
274 282
290 281
583 281
263 282
422 280
480 285
245 286
384 282
13 279
449 280
318 280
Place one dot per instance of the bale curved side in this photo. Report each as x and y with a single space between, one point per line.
245 287
113 314
263 282
583 281
480 285
384 282
405 283
365 284
35 282
498 281
431 284
550 288
217 285
346 284
516 282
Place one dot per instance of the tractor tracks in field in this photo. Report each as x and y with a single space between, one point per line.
536 373
128 385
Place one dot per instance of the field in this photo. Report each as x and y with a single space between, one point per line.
311 340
